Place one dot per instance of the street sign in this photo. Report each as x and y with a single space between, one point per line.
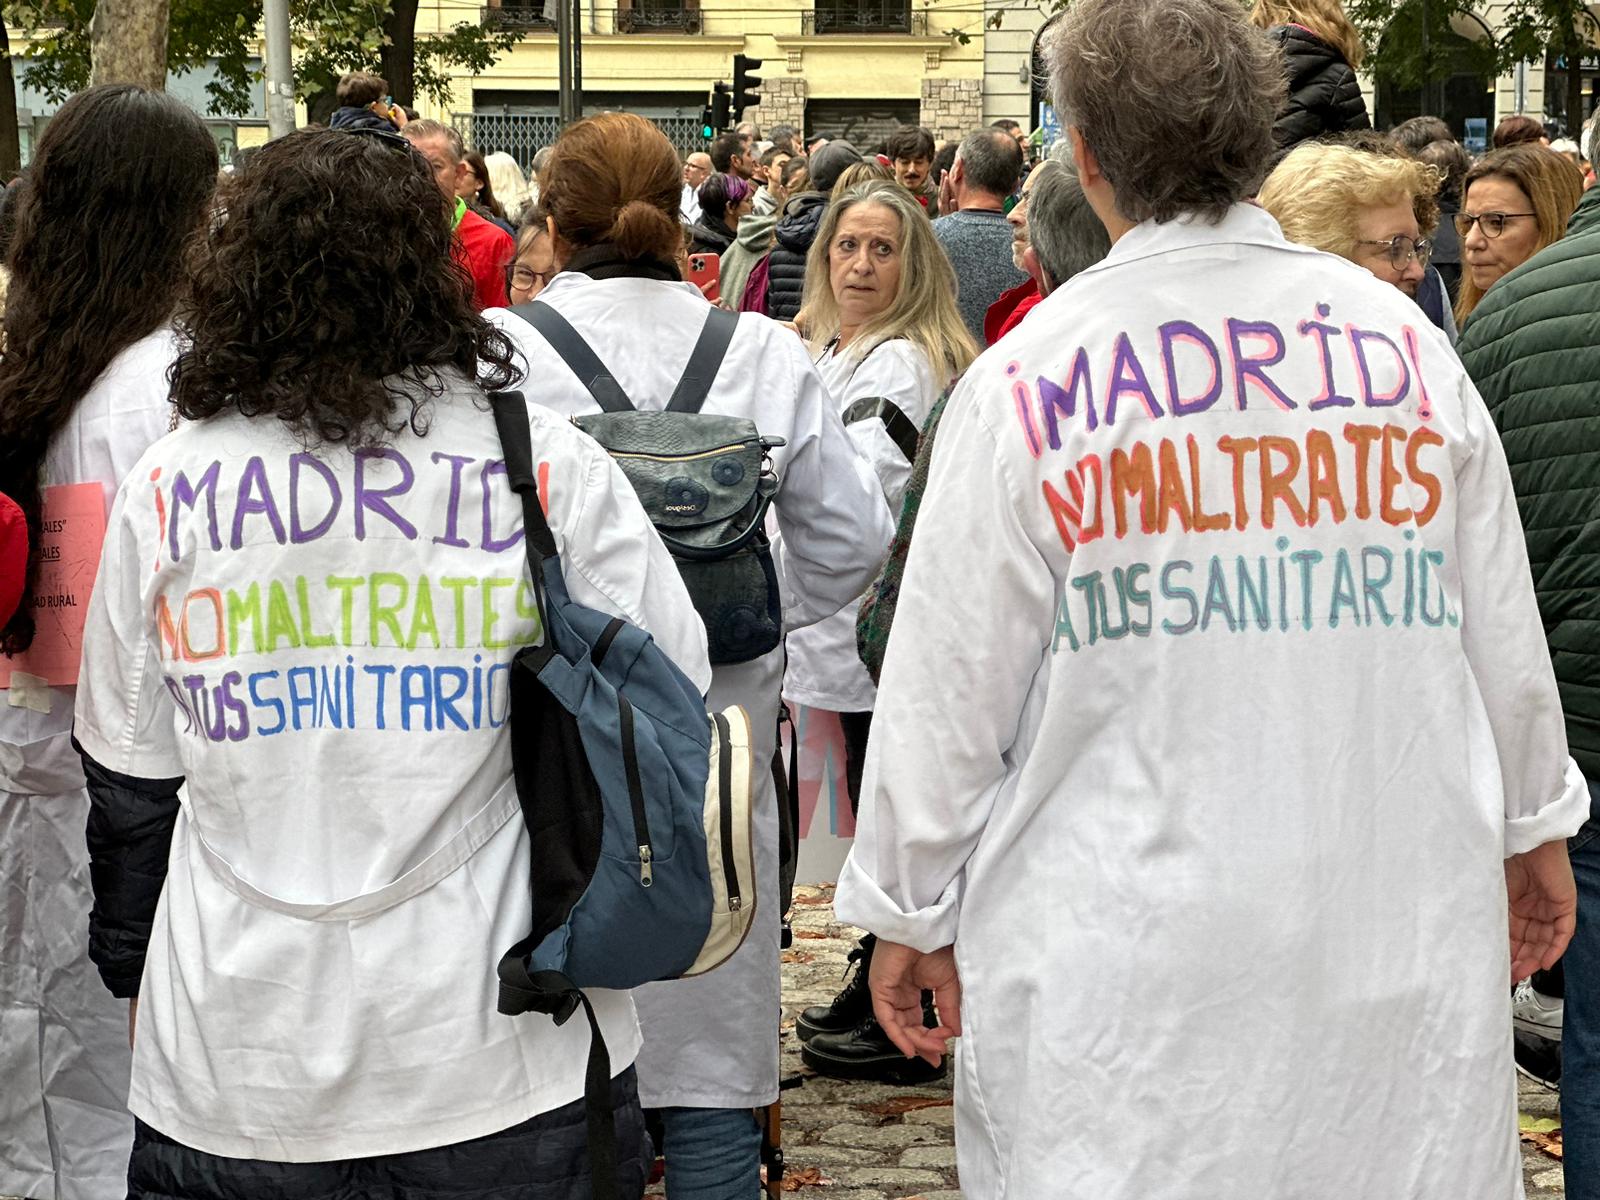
1049 126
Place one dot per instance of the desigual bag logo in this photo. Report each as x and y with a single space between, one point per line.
685 497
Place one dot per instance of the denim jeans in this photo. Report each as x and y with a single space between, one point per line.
1580 1020
711 1153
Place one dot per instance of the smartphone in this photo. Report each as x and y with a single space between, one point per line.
705 272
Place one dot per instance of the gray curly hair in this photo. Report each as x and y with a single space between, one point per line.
1176 98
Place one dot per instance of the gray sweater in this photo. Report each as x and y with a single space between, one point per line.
979 245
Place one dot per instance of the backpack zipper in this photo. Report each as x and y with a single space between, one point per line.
730 872
630 763
678 457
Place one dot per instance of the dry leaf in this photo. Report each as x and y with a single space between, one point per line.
900 1105
1550 1143
823 898
793 1181
798 956
807 933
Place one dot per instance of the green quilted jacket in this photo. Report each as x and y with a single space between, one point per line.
1533 348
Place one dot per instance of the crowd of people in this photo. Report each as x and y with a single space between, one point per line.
1191 524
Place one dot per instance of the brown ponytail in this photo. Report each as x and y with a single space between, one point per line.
614 178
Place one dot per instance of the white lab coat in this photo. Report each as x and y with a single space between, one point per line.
64 1125
319 644
1214 809
712 1042
825 668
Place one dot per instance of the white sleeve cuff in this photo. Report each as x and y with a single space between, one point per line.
861 902
1560 818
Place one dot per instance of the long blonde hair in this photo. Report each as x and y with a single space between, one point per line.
1325 18
1548 179
923 311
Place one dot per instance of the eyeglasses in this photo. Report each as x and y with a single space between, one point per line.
1494 224
526 277
1403 249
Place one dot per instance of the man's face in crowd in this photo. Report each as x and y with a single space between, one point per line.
696 168
742 165
912 173
446 167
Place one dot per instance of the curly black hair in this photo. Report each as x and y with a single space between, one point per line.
119 180
329 294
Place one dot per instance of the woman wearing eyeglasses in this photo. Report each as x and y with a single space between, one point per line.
1377 211
1517 202
534 263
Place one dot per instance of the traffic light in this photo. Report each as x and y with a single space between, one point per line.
745 83
714 117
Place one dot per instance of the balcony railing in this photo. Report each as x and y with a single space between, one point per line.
658 19
862 16
517 16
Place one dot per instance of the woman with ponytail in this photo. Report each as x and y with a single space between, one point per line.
611 192
119 180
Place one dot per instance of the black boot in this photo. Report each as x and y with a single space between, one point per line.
866 1052
850 1007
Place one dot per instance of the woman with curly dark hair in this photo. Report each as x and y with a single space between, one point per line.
118 181
311 594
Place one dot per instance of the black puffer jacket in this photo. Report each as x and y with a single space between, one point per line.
710 236
1324 96
786 265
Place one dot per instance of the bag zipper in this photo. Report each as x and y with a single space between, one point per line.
730 872
630 763
679 457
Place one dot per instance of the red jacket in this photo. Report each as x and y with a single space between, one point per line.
13 556
1006 313
485 250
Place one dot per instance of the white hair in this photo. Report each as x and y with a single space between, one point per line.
510 185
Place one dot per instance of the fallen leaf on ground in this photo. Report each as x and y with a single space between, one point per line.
821 898
1530 1124
1550 1143
798 956
793 1181
900 1105
809 933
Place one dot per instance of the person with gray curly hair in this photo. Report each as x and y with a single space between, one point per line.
1217 749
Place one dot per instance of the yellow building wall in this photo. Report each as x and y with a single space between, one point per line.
831 66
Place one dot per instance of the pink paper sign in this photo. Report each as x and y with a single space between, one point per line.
73 527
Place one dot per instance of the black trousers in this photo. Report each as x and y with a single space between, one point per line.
544 1158
857 726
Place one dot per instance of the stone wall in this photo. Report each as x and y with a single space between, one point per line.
952 108
783 102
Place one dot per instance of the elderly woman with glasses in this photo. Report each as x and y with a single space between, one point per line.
1360 206
1516 202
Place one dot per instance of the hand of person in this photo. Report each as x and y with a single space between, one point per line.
398 116
133 1019
1544 907
899 975
947 194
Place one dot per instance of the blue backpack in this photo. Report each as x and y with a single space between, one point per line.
637 803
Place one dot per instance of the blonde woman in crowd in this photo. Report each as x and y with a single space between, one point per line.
880 314
1360 206
1517 202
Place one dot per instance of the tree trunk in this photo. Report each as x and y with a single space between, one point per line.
128 43
10 148
399 54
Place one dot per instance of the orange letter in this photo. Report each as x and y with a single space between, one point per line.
1238 448
1275 485
1322 474
1426 480
1391 478
1362 437
1131 473
1173 499
1204 522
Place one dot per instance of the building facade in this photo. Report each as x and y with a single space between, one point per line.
831 68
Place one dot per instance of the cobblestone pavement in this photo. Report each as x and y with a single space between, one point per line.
860 1141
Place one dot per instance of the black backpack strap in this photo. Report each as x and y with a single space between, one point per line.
704 361
516 443
902 429
577 354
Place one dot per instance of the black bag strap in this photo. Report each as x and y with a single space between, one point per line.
516 444
577 354
710 348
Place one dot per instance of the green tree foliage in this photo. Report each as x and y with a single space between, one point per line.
330 38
